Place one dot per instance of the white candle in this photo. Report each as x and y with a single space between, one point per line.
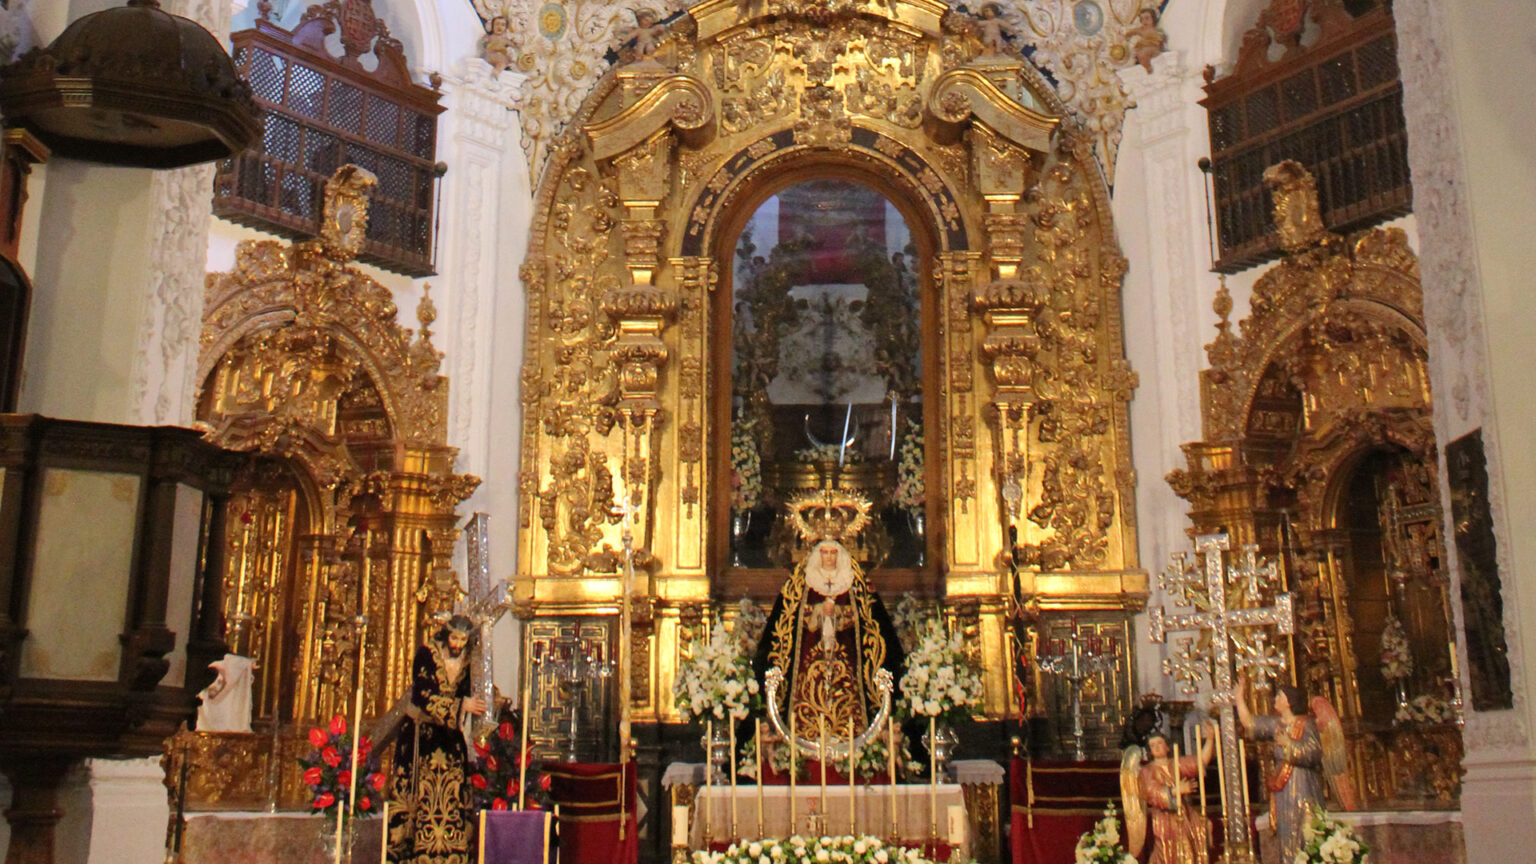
680 826
957 826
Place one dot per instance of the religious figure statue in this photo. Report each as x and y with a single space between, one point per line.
1307 749
1147 39
429 821
830 635
646 34
226 703
993 30
496 47
1165 788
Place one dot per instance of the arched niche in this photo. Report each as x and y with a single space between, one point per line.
348 505
626 418
1318 425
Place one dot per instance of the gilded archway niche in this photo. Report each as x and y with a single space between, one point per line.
626 386
349 505
1319 447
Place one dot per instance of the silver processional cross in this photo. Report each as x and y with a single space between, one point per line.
484 604
1229 619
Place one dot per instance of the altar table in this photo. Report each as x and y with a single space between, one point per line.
872 814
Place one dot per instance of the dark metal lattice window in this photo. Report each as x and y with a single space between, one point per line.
320 115
1336 109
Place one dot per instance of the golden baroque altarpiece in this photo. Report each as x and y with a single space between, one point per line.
1324 382
625 392
348 507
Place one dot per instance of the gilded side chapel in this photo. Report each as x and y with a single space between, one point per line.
449 432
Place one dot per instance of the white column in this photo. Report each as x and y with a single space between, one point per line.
1474 180
486 211
1160 218
129 810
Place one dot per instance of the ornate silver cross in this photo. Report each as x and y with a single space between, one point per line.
1230 620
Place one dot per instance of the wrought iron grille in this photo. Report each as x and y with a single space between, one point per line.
321 114
1338 110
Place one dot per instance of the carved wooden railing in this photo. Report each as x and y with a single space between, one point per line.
1335 107
322 113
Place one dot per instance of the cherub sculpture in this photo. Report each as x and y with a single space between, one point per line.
496 46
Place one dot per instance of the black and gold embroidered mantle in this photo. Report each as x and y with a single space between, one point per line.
835 683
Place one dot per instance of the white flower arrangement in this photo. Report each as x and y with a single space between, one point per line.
907 616
717 680
1424 711
1329 841
846 849
1102 844
910 486
750 621
939 680
1396 660
746 466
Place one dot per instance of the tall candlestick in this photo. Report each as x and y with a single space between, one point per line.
732 757
890 767
1242 758
760 778
794 769
522 753
709 780
842 448
933 783
1221 775
361 623
1178 797
821 760
893 426
1200 764
852 767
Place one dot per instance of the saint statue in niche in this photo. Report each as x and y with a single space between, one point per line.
830 634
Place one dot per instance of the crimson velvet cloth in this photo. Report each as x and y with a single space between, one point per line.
595 801
1068 798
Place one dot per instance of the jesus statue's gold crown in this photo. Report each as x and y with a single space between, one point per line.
829 514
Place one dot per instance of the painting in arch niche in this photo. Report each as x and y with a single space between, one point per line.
827 370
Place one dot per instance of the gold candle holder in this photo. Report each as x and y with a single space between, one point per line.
760 777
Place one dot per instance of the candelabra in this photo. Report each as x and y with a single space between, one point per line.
575 664
1075 659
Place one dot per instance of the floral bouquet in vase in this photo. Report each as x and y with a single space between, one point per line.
494 780
328 772
717 680
1396 660
1102 844
910 488
939 680
846 849
1329 841
746 467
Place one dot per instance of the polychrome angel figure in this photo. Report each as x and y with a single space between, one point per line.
1164 788
1308 748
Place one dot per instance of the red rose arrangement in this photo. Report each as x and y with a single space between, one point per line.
328 772
495 777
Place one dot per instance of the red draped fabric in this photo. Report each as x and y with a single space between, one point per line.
597 812
1054 803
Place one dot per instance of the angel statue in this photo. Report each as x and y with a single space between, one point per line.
1163 786
1308 748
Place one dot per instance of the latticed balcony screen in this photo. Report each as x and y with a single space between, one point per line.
1337 108
321 114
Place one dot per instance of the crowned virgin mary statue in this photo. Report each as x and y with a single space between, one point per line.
828 632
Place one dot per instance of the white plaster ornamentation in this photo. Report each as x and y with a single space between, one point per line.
475 134
561 48
1083 43
176 231
1458 361
16 31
